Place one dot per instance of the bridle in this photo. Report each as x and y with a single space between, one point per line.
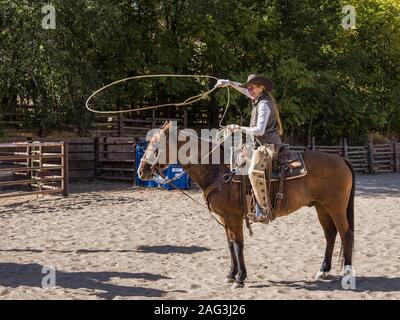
152 154
153 149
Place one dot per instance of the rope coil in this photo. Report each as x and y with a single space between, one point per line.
188 101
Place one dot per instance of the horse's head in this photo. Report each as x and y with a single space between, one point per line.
157 149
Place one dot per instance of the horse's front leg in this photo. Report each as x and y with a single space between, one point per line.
242 272
231 276
235 234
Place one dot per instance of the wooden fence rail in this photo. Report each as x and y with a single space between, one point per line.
121 126
113 158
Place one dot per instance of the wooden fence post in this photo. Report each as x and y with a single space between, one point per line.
135 165
371 157
185 119
105 148
396 157
66 169
345 149
28 160
313 144
120 125
153 119
96 155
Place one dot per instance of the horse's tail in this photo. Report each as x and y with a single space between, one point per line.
350 209
350 205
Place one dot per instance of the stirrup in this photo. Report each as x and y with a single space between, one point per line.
262 219
252 217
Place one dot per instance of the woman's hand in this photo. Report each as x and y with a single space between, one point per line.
222 83
233 127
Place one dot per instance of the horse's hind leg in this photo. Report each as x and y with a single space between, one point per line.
339 217
330 232
346 235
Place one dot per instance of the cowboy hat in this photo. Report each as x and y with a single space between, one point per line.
260 80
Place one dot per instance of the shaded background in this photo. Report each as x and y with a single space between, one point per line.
329 82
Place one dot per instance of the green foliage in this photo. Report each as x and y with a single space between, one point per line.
329 82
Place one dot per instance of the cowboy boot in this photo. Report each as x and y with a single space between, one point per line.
259 216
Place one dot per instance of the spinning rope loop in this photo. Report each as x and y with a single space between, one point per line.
187 102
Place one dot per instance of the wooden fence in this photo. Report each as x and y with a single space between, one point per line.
33 168
114 125
121 126
368 159
102 158
16 124
113 158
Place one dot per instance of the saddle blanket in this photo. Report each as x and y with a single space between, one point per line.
295 168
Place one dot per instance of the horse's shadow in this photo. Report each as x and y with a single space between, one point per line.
362 284
65 204
14 275
167 249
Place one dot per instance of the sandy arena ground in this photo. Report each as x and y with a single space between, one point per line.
112 241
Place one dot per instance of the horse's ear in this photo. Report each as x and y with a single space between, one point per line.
165 124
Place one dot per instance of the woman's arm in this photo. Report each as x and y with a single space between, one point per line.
235 85
262 119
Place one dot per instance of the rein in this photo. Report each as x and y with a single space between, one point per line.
161 180
159 177
191 198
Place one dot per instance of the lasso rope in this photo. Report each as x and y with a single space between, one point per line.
187 102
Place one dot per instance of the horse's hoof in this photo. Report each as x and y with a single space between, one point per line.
237 285
321 275
229 280
348 270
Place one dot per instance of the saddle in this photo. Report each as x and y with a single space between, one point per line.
291 161
286 165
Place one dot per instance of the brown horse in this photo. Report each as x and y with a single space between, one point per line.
329 186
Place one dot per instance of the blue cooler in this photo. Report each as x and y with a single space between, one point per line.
171 172
183 182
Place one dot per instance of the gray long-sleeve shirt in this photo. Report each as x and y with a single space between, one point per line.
263 113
